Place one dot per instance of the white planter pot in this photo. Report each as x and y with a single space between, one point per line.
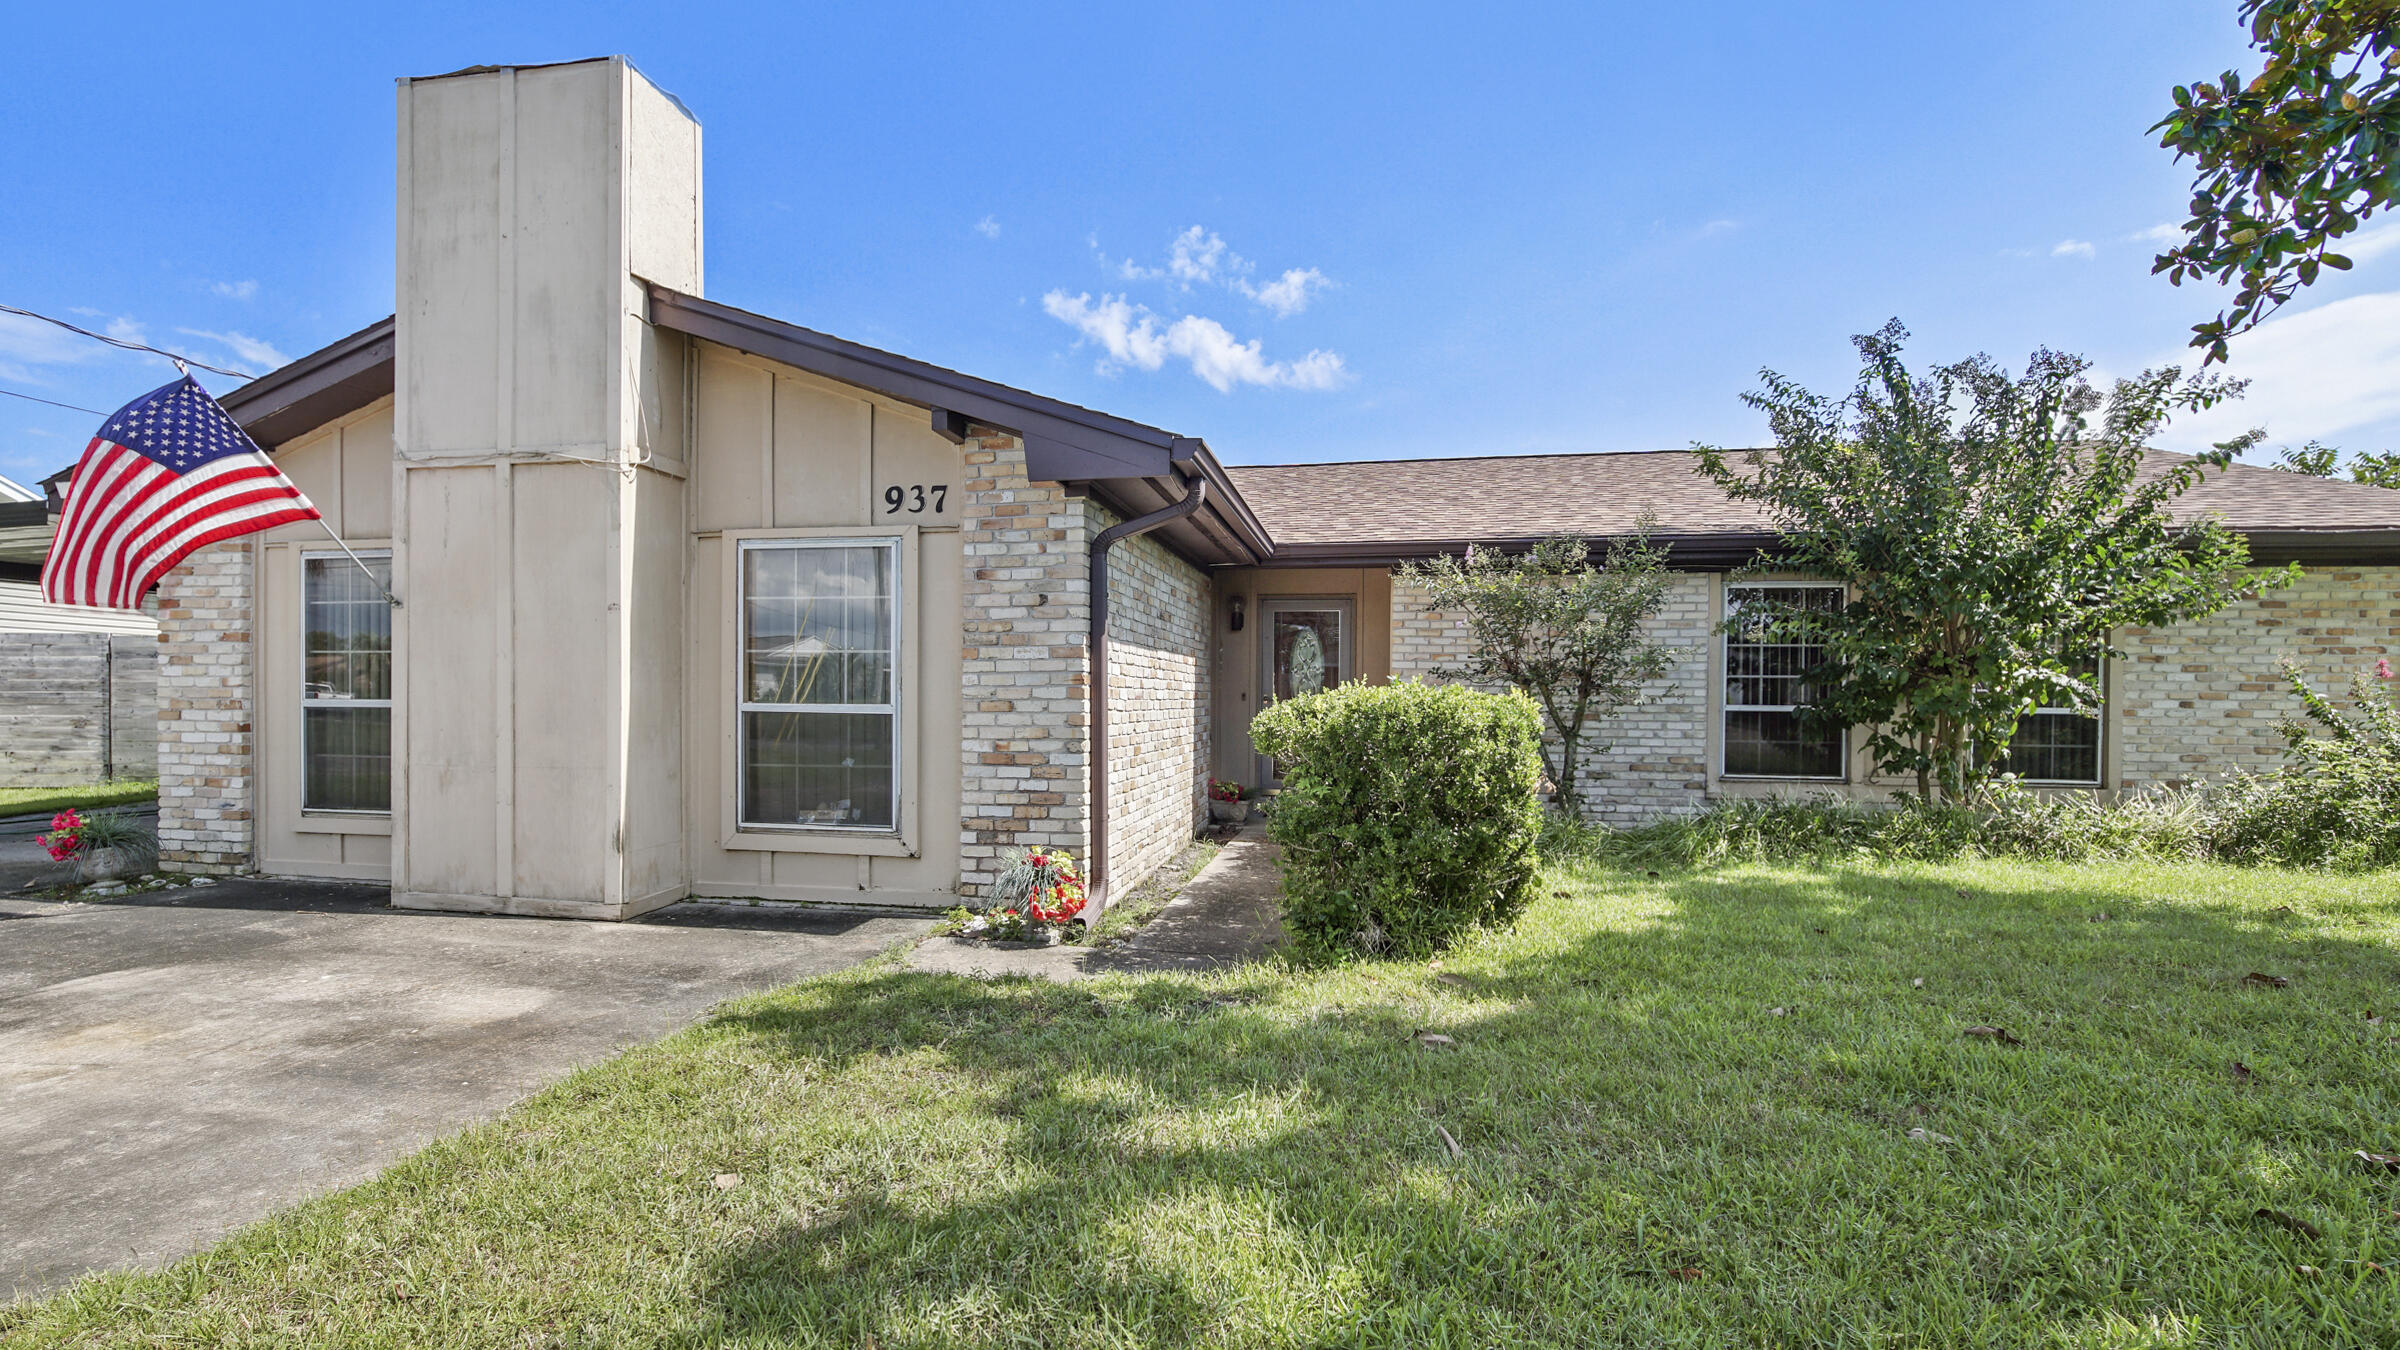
107 864
1228 813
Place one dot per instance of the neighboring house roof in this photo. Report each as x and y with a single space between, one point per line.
1379 511
13 491
23 610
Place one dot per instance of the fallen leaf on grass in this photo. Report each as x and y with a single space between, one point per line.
1433 1040
1817 930
2102 917
726 1181
2372 1019
2307 1272
1685 1272
1964 896
2271 981
2386 1161
1925 1136
2241 1072
1558 895
1917 983
2282 1220
1779 1012
1999 1034
1450 1142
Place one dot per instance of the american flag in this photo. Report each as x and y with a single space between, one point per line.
169 472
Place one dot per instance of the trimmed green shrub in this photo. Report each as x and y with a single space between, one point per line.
1410 814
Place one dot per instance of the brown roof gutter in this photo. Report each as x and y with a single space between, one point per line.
1096 866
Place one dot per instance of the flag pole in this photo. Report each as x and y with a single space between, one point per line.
339 542
362 563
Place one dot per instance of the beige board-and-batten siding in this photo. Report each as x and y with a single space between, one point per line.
1656 761
1159 700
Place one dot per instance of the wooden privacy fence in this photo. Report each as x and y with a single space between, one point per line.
77 708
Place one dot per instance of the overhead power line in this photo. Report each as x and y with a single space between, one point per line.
70 407
130 346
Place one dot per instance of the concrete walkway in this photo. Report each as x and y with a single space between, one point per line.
181 1063
1225 916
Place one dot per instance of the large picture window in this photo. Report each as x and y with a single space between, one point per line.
1766 675
345 684
2056 743
819 644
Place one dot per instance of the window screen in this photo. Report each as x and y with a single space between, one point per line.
345 684
819 727
1766 677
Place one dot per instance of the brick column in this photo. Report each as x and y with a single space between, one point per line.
1024 669
205 792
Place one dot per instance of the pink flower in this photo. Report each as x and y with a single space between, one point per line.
2383 668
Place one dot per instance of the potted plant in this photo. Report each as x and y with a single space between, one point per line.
1225 804
106 846
1037 894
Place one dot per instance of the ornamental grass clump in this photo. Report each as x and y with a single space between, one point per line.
1037 894
1410 814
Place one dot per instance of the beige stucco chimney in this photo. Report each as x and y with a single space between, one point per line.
538 491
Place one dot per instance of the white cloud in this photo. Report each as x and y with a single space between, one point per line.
988 228
234 290
2369 244
1717 227
2313 375
2157 234
1131 335
1200 257
2072 248
1288 294
1197 253
254 352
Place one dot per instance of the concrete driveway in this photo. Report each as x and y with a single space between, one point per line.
175 1066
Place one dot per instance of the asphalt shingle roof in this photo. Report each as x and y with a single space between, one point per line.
1599 495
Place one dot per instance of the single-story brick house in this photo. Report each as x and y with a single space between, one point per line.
702 603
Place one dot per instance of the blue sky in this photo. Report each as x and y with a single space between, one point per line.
1448 229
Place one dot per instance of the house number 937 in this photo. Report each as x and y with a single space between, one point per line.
915 498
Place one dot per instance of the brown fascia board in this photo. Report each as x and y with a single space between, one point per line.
1130 467
331 382
1063 443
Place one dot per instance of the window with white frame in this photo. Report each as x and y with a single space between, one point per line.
345 683
2057 742
1768 658
819 723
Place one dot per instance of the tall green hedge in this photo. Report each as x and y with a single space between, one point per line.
1409 813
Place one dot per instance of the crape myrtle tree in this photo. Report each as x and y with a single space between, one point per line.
2291 159
2375 468
1570 634
1993 532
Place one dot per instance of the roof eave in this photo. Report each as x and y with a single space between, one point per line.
327 384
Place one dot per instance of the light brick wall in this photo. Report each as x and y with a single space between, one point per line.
77 708
205 793
1025 667
1657 761
2199 700
1159 612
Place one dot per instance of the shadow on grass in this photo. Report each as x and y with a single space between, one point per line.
1688 1124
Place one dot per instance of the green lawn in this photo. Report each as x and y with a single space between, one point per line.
1649 1154
28 801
